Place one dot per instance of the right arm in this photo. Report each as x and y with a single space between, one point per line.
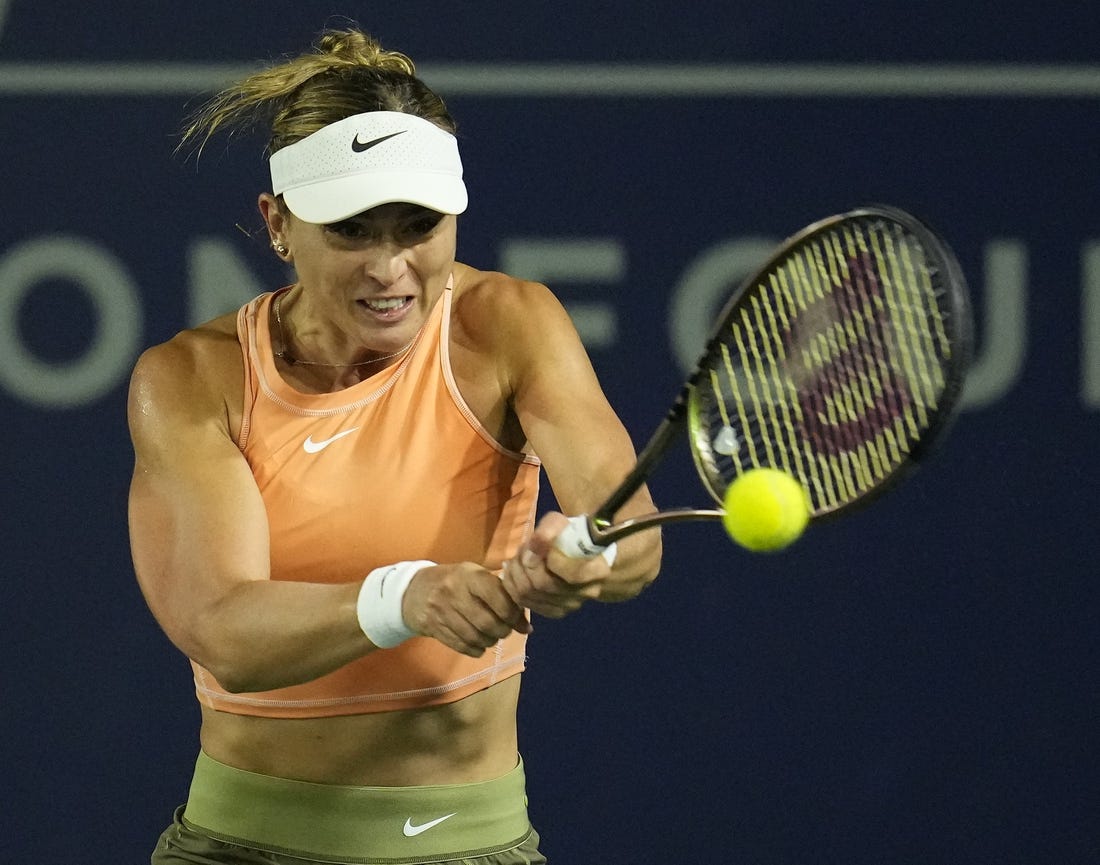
199 540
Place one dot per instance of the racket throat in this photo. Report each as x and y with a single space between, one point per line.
604 534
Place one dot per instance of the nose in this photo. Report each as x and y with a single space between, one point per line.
386 261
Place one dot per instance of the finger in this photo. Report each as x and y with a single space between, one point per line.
534 573
505 609
540 585
476 625
522 621
577 572
553 590
532 585
515 581
528 579
541 541
494 622
555 607
452 639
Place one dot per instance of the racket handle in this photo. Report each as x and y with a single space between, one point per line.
576 542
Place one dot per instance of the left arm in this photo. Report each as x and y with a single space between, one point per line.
585 450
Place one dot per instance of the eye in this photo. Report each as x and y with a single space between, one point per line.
420 226
349 229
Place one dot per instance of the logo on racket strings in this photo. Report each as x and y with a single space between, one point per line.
839 347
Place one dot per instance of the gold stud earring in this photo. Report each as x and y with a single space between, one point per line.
279 247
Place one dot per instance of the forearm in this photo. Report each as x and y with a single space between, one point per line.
263 635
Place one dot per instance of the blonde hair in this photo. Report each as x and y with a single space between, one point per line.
347 72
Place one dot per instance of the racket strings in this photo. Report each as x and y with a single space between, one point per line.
830 368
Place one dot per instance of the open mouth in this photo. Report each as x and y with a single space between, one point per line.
388 306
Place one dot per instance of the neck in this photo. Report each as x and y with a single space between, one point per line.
285 351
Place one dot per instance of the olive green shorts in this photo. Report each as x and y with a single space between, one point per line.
239 817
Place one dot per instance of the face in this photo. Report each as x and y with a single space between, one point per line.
373 279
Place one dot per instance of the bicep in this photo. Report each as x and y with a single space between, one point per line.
198 527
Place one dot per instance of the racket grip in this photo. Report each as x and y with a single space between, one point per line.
576 542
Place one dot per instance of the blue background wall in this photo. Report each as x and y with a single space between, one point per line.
914 685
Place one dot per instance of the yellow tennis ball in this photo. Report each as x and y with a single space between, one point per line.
765 510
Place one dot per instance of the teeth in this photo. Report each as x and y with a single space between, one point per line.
386 303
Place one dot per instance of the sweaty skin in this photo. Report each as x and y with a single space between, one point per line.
200 531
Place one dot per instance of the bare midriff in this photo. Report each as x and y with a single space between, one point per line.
473 739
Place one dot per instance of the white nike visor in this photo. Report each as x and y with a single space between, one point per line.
366 160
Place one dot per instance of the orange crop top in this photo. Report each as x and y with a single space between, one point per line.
395 468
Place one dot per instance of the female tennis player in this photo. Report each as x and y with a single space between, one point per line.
329 484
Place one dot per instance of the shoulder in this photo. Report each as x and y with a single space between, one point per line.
517 335
495 311
507 334
191 378
193 359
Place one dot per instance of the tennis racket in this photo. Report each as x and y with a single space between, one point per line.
840 362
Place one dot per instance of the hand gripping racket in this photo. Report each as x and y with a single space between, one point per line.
840 362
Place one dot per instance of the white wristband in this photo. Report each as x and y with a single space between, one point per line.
379 604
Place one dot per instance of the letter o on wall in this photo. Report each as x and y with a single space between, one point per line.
704 286
117 336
